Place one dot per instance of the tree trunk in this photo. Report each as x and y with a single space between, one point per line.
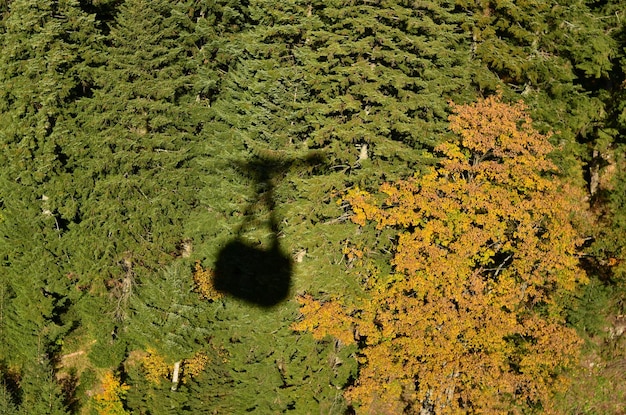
175 376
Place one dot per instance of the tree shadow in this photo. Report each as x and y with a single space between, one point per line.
257 274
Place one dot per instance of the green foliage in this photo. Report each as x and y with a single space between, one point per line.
40 392
107 353
166 316
609 247
42 69
555 56
381 76
588 309
139 136
132 169
258 365
7 404
88 380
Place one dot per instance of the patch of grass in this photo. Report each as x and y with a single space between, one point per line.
76 373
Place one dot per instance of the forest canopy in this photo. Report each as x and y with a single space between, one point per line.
338 207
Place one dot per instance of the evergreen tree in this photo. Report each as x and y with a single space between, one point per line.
258 153
166 316
608 182
218 25
257 365
555 56
42 70
6 293
41 393
380 77
7 404
134 170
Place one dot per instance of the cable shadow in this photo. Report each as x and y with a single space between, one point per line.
256 274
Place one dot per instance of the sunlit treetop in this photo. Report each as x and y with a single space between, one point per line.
471 319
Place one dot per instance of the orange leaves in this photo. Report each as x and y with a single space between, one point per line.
500 145
470 320
491 126
361 204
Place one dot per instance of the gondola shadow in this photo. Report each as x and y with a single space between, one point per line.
257 274
253 274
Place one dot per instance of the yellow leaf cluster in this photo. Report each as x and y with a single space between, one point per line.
194 365
324 319
109 400
203 279
362 206
155 367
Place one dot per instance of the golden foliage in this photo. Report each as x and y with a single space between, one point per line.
194 365
203 279
470 321
155 367
324 319
109 400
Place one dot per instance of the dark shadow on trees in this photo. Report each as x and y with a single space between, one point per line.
249 271
256 275
11 383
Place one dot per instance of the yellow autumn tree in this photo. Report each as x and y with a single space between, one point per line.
155 367
109 400
194 366
471 319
